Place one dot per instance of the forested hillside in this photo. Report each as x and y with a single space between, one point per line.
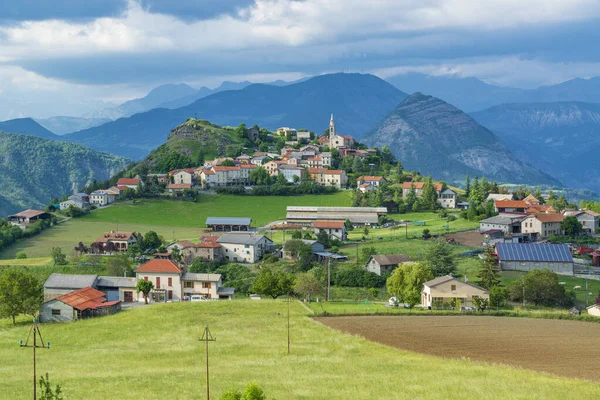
35 170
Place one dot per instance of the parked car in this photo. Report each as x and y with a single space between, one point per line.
197 297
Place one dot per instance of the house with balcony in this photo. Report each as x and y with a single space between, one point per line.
447 288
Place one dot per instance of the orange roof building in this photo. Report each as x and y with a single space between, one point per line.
82 303
329 224
159 266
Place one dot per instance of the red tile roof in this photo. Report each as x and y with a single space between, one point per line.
248 166
326 171
128 181
323 139
208 172
122 188
510 204
119 236
221 168
438 186
549 218
211 238
86 298
179 186
416 185
188 170
315 159
160 266
370 178
329 224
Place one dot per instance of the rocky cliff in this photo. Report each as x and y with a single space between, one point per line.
434 137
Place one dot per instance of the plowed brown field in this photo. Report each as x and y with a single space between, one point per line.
568 348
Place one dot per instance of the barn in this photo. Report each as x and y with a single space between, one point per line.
228 224
79 304
529 256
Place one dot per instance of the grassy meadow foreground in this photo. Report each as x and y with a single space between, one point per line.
152 352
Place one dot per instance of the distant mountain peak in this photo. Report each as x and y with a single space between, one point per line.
434 137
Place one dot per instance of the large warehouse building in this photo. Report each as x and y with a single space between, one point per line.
358 216
528 256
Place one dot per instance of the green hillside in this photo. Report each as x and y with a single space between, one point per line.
153 352
194 140
35 170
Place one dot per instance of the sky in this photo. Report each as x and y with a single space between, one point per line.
69 57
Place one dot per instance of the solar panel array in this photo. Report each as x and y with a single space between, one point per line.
534 252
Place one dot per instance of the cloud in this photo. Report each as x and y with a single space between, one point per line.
136 44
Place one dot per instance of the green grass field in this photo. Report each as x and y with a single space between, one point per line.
174 220
153 353
262 209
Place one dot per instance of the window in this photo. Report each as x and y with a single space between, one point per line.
188 284
55 312
145 278
205 285
170 282
158 282
453 288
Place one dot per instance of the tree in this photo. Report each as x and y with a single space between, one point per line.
467 186
307 285
151 240
323 238
480 303
228 163
292 247
251 392
538 195
241 131
118 265
541 287
260 176
21 255
20 293
176 254
273 284
571 226
145 287
598 299
406 283
411 197
134 250
297 235
366 231
498 296
429 197
439 258
58 256
305 258
348 225
46 392
488 272
368 251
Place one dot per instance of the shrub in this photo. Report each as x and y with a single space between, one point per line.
21 255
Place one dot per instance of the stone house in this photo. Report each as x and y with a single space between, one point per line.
120 240
329 177
588 219
447 199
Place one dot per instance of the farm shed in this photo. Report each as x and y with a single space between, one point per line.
117 288
529 256
228 224
60 284
83 303
358 216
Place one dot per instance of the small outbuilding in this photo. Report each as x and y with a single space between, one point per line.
79 304
382 263
228 224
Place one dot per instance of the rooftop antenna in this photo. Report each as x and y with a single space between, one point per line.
35 330
207 337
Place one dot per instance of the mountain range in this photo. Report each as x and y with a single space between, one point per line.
559 138
472 94
358 101
433 137
35 170
27 126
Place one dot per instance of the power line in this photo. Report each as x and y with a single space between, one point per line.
207 337
35 331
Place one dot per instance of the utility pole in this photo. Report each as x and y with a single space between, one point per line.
36 332
207 337
328 277
357 254
288 323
